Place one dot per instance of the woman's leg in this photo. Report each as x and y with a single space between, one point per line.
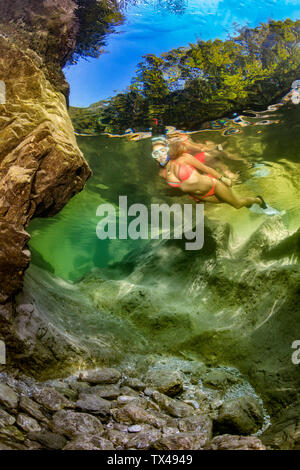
225 194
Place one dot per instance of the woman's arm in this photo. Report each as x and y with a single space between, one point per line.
194 146
190 160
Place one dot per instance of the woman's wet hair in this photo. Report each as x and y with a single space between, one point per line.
176 148
173 136
160 142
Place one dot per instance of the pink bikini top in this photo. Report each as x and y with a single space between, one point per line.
184 171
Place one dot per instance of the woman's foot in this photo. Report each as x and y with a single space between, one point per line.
261 202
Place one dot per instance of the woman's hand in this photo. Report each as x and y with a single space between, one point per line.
226 181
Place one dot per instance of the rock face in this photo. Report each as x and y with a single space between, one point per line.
41 166
45 28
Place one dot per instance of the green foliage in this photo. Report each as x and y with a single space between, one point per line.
189 85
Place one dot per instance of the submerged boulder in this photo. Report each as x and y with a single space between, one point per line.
241 416
165 381
100 376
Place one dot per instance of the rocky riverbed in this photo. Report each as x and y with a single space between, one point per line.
194 408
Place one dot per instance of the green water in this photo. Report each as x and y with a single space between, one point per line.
235 302
266 156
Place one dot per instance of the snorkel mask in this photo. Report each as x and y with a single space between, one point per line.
161 152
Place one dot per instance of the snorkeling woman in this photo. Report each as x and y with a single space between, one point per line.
207 153
206 185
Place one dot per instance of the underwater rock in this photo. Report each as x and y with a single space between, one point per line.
182 441
104 391
219 379
167 382
133 414
100 376
8 397
32 408
172 406
72 423
6 419
241 416
27 424
134 428
93 404
200 424
129 391
116 437
229 442
284 433
11 432
51 399
143 440
49 440
139 401
89 443
134 383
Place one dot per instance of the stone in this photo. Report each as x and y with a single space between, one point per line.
104 391
100 376
230 442
8 397
167 382
129 391
242 416
51 399
72 423
117 438
134 383
48 440
220 379
148 391
32 408
32 445
6 419
284 432
9 445
178 441
89 443
11 432
143 440
174 407
27 423
133 414
134 428
69 393
93 404
139 401
200 424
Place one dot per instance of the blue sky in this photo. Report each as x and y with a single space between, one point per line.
148 29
